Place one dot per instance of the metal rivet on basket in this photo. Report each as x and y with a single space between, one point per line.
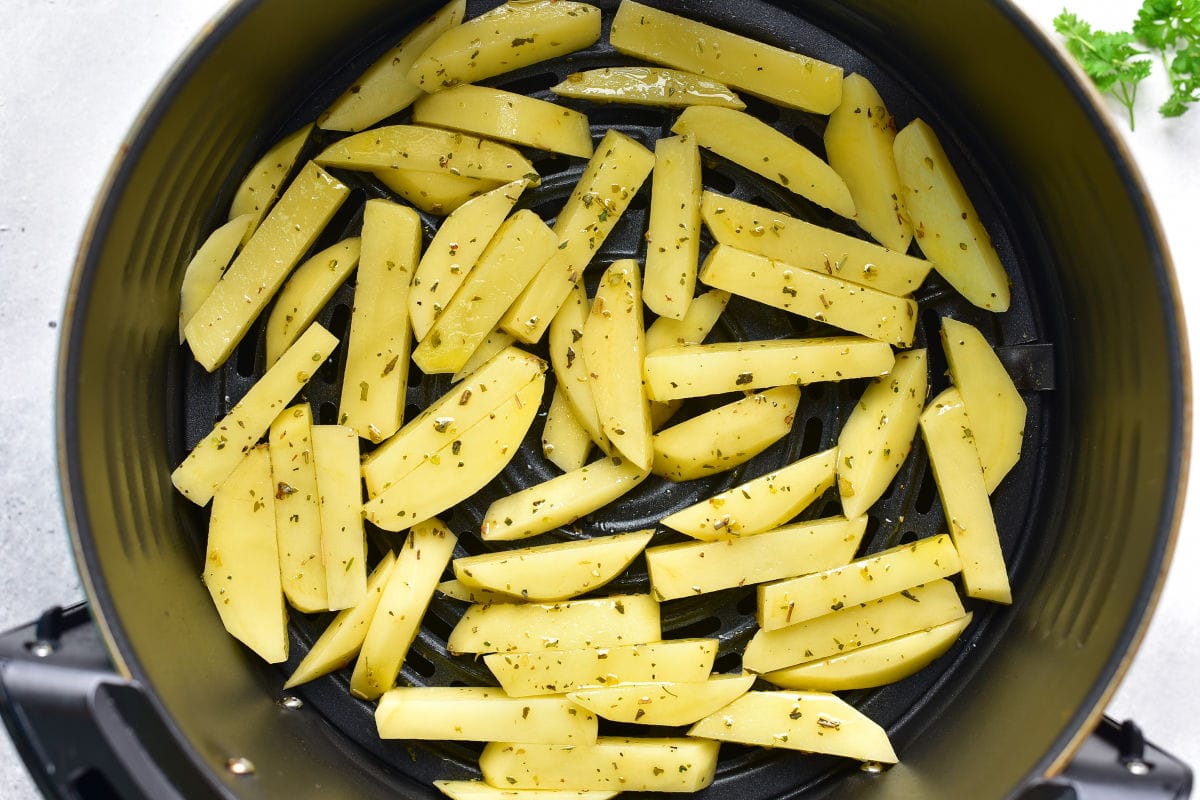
240 766
1138 767
871 767
291 702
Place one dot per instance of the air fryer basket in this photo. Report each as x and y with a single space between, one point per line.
1093 340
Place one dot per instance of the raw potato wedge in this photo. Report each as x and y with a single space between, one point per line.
340 642
478 790
663 702
815 722
298 510
218 454
612 177
783 77
508 37
481 394
204 270
455 248
508 117
492 345
481 714
989 396
858 144
874 665
648 86
553 671
565 442
560 500
343 542
950 441
673 237
703 369
375 378
945 223
700 318
879 433
566 356
405 598
728 435
384 88
692 568
264 262
776 235
552 572
459 591
871 577
416 147
614 345
511 260
258 190
306 293
572 624
462 467
434 192
628 764
241 565
852 627
755 145
759 505
858 309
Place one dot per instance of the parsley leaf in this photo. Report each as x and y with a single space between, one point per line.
1184 72
1174 25
1109 59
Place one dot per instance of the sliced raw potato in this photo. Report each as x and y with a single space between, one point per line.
873 665
492 345
854 626
416 147
434 192
566 356
781 237
701 317
218 454
462 467
343 542
858 144
508 37
663 702
508 117
614 345
262 183
627 764
950 441
991 399
759 505
858 309
815 722
789 79
204 270
306 293
553 671
241 564
384 88
702 369
340 642
871 577
478 790
673 237
755 145
481 714
455 248
692 568
879 433
459 591
554 571
397 618
560 500
572 624
505 268
647 86
565 442
375 378
298 510
944 221
728 435
264 262
476 399
612 177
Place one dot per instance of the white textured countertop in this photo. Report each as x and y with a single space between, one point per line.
73 75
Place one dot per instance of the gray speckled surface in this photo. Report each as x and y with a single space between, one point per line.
73 75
